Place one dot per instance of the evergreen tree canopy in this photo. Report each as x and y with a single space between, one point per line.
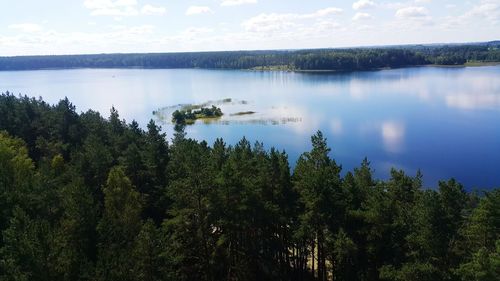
84 197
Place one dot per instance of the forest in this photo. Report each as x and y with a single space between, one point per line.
91 197
350 59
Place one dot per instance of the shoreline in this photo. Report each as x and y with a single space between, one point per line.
264 69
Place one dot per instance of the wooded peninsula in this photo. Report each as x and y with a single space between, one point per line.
87 197
347 59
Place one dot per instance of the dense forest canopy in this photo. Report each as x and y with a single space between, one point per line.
318 59
84 197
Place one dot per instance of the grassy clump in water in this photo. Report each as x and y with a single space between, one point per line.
243 113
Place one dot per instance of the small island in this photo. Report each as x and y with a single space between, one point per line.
188 117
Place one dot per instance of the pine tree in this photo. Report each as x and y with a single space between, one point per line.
118 228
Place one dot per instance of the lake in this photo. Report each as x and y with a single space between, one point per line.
444 121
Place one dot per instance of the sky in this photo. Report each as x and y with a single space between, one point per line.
53 27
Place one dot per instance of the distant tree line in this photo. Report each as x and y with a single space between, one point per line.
83 197
317 59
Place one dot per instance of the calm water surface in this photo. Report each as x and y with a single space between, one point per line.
445 121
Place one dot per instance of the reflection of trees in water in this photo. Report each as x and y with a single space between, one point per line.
235 121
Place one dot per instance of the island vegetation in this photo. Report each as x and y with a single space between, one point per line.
189 116
347 59
87 197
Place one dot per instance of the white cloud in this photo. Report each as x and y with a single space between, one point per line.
237 2
361 16
153 10
117 26
305 29
326 12
288 29
111 8
121 8
423 1
324 26
196 10
365 27
270 22
363 4
487 9
26 27
280 22
412 13
394 5
127 11
141 29
108 4
119 38
485 13
194 32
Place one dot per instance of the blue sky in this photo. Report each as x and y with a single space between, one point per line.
30 27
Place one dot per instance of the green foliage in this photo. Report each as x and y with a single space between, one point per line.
189 116
84 197
75 234
484 266
318 59
146 254
317 180
483 229
16 176
118 228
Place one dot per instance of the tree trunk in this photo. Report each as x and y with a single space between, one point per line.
312 257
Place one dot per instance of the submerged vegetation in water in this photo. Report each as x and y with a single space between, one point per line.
255 121
195 106
241 113
208 112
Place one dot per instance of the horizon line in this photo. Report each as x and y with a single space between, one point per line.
265 50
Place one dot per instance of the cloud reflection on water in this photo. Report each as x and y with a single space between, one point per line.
474 101
393 135
336 126
405 117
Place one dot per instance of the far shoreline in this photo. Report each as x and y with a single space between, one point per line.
468 64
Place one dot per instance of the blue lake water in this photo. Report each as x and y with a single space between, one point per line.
444 121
